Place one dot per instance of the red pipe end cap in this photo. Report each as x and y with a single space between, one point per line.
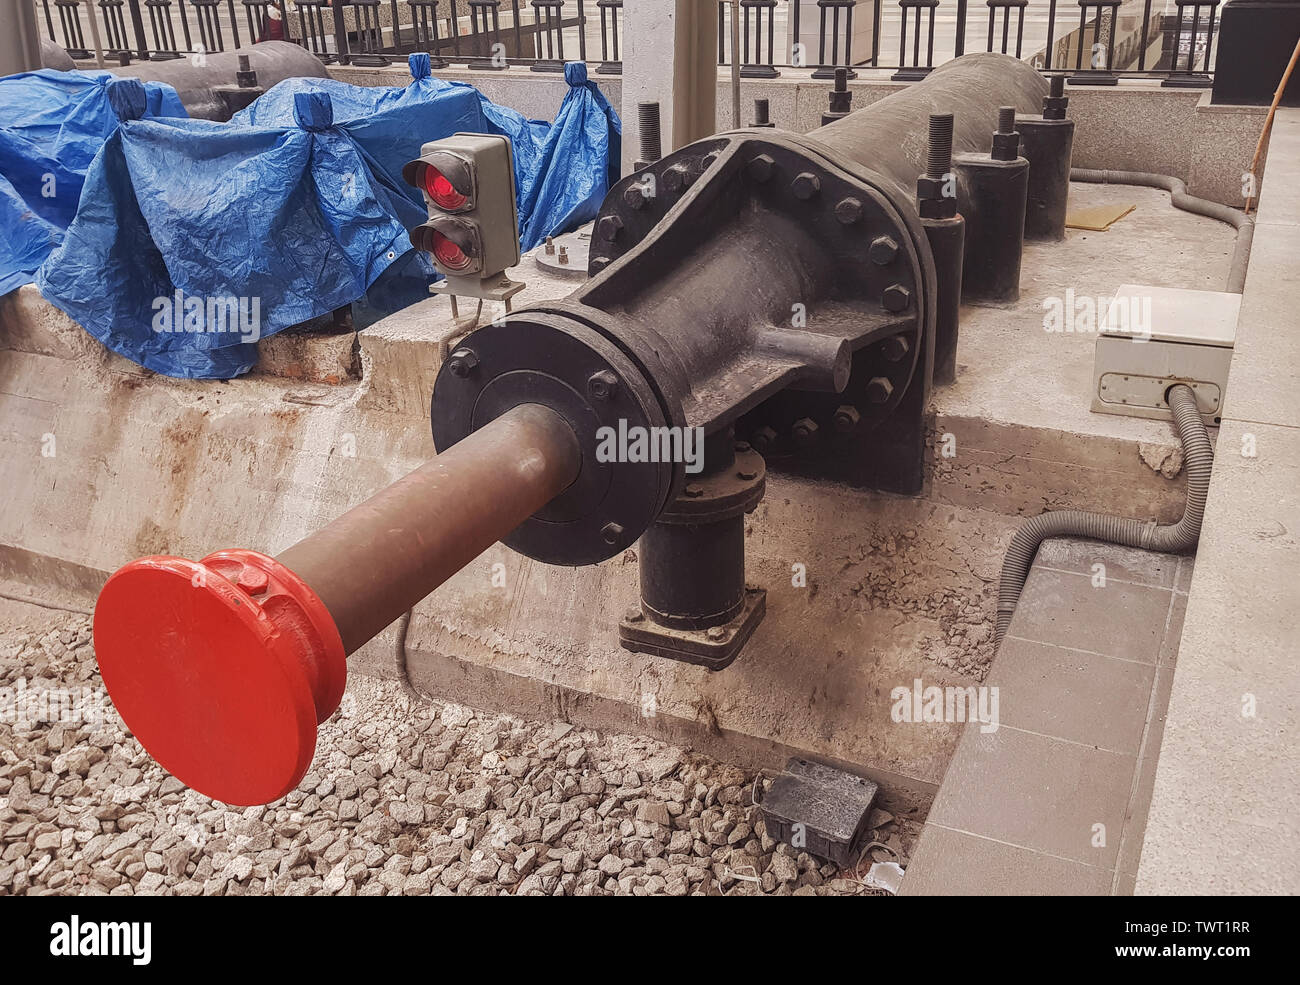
222 668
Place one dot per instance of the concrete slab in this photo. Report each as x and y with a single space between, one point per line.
1054 800
1225 807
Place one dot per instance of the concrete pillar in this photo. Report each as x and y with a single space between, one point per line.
20 40
670 56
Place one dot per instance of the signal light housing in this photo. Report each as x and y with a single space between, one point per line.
468 183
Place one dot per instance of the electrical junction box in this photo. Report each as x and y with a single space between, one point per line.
1154 337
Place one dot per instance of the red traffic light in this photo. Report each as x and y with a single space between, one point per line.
441 190
451 256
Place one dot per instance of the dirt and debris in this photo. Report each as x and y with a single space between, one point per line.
404 797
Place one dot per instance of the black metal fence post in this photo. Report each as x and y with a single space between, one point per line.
1093 75
1189 78
1006 6
915 71
548 17
483 13
826 69
611 61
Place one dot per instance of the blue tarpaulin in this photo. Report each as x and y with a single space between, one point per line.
52 124
194 239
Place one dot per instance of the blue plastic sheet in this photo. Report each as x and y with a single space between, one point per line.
579 162
392 123
52 124
196 239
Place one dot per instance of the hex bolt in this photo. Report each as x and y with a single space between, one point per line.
716 633
1006 140
550 246
602 385
609 227
564 256
883 250
895 348
846 418
848 210
804 430
742 446
462 362
1058 86
879 390
805 185
746 473
760 167
896 298
939 160
634 196
676 178
693 490
763 438
647 118
611 532
597 264
634 614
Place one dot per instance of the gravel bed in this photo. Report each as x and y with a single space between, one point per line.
404 797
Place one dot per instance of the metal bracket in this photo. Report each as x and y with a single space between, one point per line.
714 648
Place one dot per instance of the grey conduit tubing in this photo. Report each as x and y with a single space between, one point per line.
1244 224
1198 457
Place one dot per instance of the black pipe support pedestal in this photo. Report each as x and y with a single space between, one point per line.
1046 143
947 241
695 605
992 197
992 192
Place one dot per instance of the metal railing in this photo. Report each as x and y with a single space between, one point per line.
1096 41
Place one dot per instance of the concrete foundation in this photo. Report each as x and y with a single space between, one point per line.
866 592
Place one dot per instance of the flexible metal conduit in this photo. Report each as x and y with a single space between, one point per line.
1198 457
1244 224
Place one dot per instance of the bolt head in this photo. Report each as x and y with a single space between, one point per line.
634 196
716 633
602 385
746 473
895 348
596 264
634 614
676 178
848 210
462 362
609 227
879 390
611 532
896 298
846 418
805 185
763 438
694 490
883 250
742 446
760 167
804 430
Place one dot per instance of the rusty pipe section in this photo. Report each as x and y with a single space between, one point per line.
381 557
224 667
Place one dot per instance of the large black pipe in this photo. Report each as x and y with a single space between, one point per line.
890 136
